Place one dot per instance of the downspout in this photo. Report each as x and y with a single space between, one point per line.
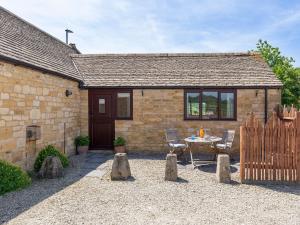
266 104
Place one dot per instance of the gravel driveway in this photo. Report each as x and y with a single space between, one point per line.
86 197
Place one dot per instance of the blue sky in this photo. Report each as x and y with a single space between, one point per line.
118 26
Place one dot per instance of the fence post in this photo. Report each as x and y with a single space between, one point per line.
242 154
298 146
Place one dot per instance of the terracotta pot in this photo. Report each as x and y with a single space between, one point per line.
120 149
82 149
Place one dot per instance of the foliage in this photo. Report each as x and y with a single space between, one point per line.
12 177
119 141
49 150
283 67
82 141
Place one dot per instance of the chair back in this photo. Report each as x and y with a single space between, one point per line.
192 131
230 138
172 135
230 135
224 137
207 132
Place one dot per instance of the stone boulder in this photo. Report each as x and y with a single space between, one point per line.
51 168
171 167
223 169
120 167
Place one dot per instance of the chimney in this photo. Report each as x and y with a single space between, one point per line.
73 46
67 35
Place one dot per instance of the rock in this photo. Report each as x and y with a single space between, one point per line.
171 167
51 168
120 167
223 169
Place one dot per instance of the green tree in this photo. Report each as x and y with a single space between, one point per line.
285 71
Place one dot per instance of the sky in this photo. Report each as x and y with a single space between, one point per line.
148 26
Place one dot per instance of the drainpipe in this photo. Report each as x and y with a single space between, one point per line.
266 104
64 138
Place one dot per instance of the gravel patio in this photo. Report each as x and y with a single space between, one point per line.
86 195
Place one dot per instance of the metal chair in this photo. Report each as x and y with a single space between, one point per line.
226 143
174 141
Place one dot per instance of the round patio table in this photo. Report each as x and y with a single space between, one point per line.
205 140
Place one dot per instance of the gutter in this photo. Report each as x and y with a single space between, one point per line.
179 87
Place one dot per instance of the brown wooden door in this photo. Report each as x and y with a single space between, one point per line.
101 119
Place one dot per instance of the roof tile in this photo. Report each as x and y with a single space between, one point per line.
174 70
23 42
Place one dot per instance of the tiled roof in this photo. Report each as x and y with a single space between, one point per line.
22 42
175 70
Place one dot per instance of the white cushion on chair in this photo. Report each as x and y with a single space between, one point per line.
177 145
222 146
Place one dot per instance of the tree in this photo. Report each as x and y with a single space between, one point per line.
285 71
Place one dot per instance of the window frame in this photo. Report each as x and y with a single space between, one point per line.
219 91
131 105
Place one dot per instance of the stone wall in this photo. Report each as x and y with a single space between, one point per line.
29 97
157 110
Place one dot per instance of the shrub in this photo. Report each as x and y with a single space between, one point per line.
12 177
119 141
49 150
82 141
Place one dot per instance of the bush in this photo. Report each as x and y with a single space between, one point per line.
82 141
12 177
49 150
119 141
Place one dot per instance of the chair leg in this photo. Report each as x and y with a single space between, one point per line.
215 157
180 153
192 160
186 159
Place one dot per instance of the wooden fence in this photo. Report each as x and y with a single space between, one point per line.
271 152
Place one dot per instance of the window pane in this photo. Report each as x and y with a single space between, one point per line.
227 105
123 105
209 105
101 105
192 110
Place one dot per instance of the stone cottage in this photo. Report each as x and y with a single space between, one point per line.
52 90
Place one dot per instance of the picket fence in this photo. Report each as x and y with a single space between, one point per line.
271 151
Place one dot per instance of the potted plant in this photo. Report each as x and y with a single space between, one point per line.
82 144
119 144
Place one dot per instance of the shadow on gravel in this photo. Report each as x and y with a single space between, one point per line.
14 203
129 179
212 168
146 155
181 180
291 188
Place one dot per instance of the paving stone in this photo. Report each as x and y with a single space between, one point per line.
99 160
92 166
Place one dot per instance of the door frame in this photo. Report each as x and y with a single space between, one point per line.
113 93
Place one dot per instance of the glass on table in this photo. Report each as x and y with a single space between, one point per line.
191 132
207 133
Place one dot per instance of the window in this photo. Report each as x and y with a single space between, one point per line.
192 110
210 104
101 105
124 105
227 105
